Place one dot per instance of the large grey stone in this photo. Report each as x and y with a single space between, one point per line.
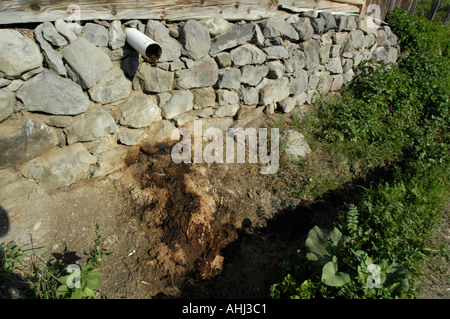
60 167
248 96
311 50
304 29
23 141
369 40
367 24
345 22
52 94
154 80
18 54
65 30
53 58
295 62
334 65
7 100
392 56
131 137
355 40
194 37
380 54
276 69
217 26
226 97
324 48
299 83
276 52
13 184
171 49
247 114
89 62
319 25
50 34
227 110
294 144
338 81
286 105
335 50
273 27
247 54
139 110
239 34
252 75
229 78
158 135
6 82
382 39
340 37
181 102
113 87
330 21
96 34
271 91
223 59
117 36
95 123
110 161
204 97
203 73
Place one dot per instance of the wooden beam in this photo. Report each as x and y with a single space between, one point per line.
348 6
25 11
32 11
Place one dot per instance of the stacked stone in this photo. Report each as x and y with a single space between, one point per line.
74 99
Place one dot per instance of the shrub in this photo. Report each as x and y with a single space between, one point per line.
396 115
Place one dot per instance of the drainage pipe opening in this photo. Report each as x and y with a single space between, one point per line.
147 47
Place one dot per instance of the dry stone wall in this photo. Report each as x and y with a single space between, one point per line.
76 100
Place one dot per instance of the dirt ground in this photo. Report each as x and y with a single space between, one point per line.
164 223
176 230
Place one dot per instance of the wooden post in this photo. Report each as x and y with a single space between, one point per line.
433 10
413 9
392 5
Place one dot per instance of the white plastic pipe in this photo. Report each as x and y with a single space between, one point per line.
143 44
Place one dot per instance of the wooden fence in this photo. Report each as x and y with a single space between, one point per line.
386 5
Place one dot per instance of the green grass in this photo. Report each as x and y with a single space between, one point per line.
31 275
392 120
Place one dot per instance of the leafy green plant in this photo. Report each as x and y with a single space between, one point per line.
84 285
40 276
11 255
340 272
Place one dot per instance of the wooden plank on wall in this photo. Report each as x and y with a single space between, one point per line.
24 11
29 11
349 6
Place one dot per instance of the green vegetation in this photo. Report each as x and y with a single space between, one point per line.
424 6
395 119
38 278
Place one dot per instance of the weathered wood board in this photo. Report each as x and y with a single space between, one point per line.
349 6
29 11
384 5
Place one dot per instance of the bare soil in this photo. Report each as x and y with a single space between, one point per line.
176 230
